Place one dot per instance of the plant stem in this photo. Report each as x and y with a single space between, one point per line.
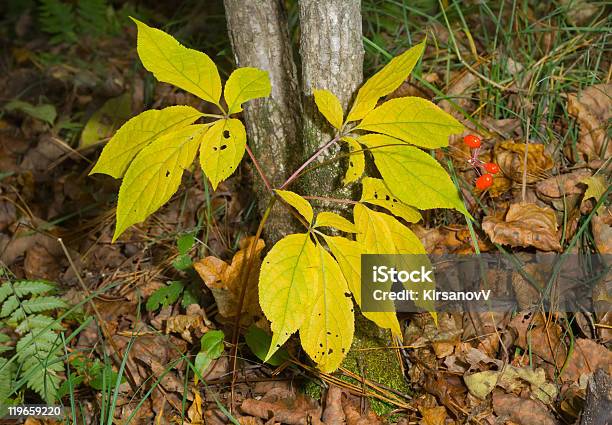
259 169
314 156
336 200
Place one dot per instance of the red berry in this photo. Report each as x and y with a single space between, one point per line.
491 168
472 141
483 182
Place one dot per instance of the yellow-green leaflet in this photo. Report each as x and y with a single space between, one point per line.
375 192
288 285
105 121
330 219
222 149
414 120
596 187
173 63
327 331
155 175
380 233
245 84
356 161
385 81
137 133
296 201
329 105
414 177
348 254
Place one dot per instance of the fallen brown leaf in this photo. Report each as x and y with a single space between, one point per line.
510 157
592 107
587 357
333 413
225 280
520 410
185 324
434 416
601 227
564 184
525 225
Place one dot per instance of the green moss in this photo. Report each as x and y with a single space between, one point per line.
312 389
379 365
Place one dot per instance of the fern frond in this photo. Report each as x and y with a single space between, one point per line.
3 343
57 18
31 287
9 306
39 354
38 322
35 305
6 378
92 16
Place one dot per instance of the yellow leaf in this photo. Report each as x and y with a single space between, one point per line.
329 105
382 234
414 177
330 219
137 133
596 187
348 254
222 149
288 284
173 63
327 331
385 81
375 192
245 84
155 175
296 201
356 160
103 123
413 120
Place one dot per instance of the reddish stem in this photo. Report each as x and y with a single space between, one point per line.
314 156
259 169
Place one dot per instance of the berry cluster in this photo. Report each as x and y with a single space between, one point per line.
485 170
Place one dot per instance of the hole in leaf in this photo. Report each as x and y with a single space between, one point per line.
167 173
226 134
223 147
387 197
214 148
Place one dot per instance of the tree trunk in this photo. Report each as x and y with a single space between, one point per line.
259 35
332 52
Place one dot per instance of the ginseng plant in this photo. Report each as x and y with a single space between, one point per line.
310 280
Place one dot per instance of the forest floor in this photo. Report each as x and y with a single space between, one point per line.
133 312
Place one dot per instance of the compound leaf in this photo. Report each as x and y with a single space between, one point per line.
414 177
137 133
330 219
245 84
375 192
356 161
222 149
413 120
385 81
288 284
155 175
348 255
173 63
327 332
329 106
296 201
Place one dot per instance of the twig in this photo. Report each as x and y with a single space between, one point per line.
259 169
314 156
524 183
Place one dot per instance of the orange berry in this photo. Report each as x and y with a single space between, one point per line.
484 182
491 168
472 141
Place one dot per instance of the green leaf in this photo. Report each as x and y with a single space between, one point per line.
413 120
385 81
376 193
414 177
288 284
185 243
155 175
182 262
296 201
259 342
356 161
165 296
330 219
173 63
139 132
245 84
102 374
327 332
45 112
329 106
103 123
222 149
380 233
211 348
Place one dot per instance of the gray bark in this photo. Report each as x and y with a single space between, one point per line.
332 58
260 38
